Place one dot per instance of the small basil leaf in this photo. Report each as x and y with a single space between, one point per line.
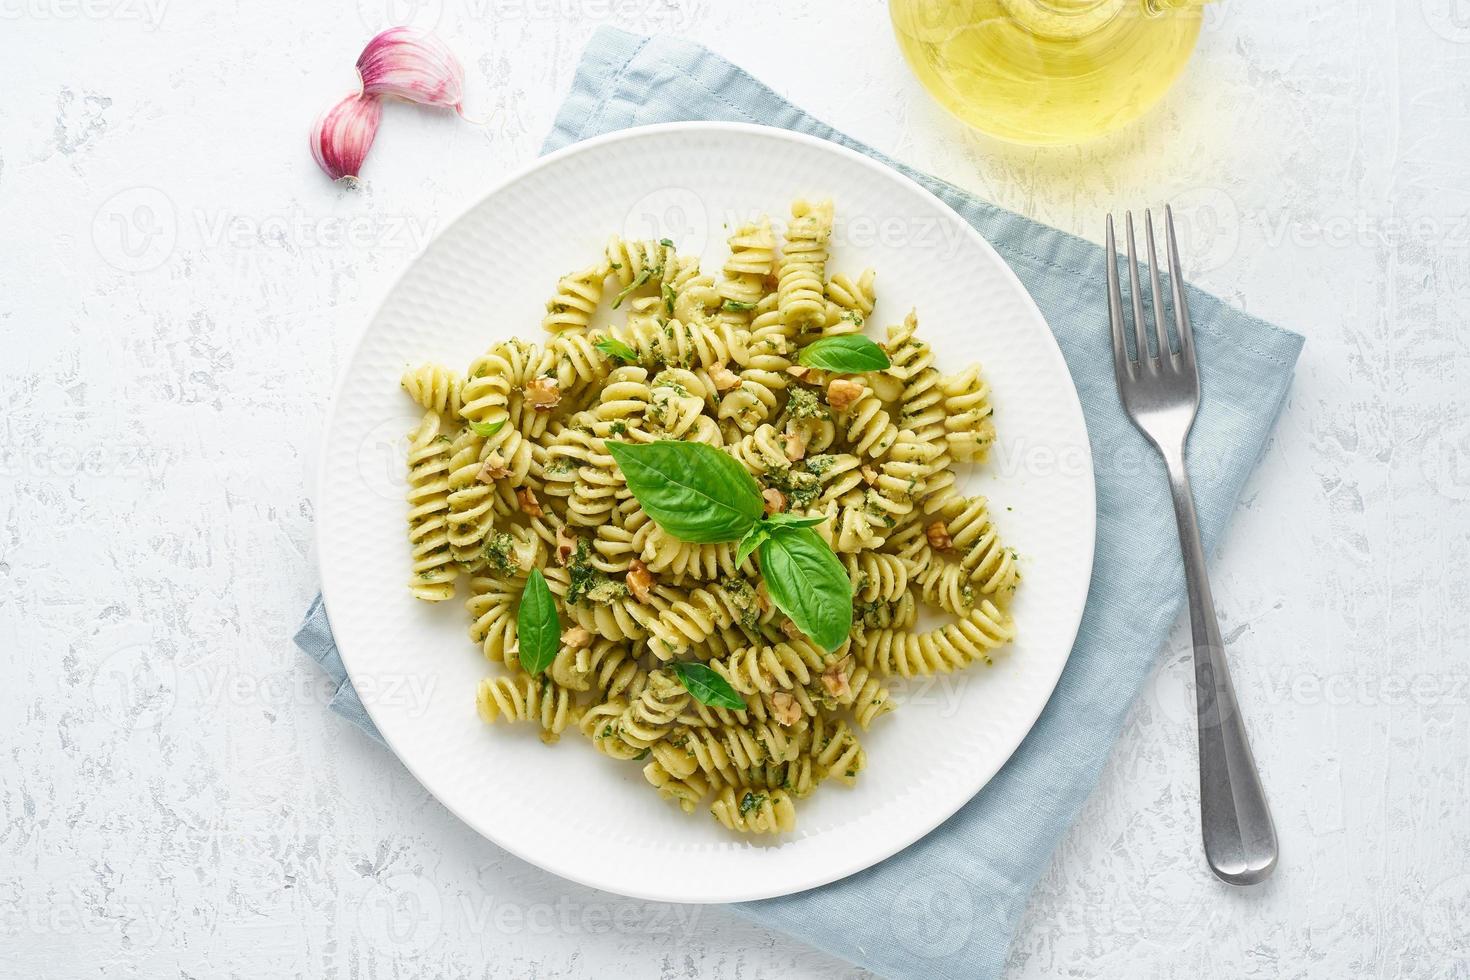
808 583
693 491
615 350
666 242
707 686
794 520
735 306
487 429
669 298
848 354
750 542
639 280
537 625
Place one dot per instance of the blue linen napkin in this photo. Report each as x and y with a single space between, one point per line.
948 905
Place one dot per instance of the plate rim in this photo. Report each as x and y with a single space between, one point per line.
1073 407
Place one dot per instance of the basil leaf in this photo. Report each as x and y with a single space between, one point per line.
750 542
666 242
693 491
848 354
638 280
808 583
707 686
669 298
736 306
487 429
615 350
537 625
794 520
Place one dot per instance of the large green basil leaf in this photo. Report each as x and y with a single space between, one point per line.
848 354
693 491
808 583
537 625
707 686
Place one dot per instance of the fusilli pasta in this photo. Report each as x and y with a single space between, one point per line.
509 470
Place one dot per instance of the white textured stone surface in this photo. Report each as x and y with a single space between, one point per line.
178 287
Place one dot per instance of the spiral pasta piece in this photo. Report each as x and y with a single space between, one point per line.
869 699
653 712
968 427
877 577
433 386
527 699
804 266
687 791
836 751
767 669
849 304
991 565
948 648
867 426
434 570
752 260
599 724
576 299
690 619
754 811
579 364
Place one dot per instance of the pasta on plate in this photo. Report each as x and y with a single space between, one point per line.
509 471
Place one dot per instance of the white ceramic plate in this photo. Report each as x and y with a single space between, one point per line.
567 808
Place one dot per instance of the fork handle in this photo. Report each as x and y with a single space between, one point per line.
1239 836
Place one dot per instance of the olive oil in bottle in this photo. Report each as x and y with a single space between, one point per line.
1047 71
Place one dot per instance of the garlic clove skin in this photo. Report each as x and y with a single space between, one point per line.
343 134
414 65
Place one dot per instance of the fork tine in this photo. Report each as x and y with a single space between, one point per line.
1161 322
1115 309
1176 281
1140 325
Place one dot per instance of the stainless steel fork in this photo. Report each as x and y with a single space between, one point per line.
1160 392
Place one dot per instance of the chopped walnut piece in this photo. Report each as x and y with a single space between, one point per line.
543 394
870 475
788 626
492 469
566 545
576 638
723 377
842 393
799 371
762 598
639 580
938 536
785 709
834 679
775 500
796 440
530 506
